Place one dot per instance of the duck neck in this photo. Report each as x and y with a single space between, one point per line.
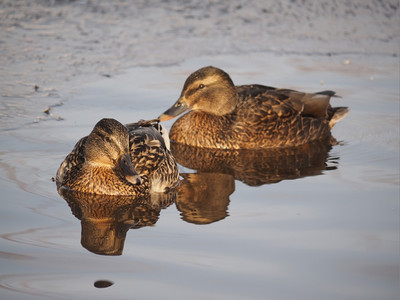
229 99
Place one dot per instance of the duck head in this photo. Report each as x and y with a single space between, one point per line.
209 90
107 146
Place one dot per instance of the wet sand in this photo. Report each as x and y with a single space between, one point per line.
332 235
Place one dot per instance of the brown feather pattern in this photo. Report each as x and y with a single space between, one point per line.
92 167
259 116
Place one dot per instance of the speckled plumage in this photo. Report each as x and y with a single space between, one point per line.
151 155
225 116
116 160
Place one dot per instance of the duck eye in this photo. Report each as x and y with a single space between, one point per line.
201 86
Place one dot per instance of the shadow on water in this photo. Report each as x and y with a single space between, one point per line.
202 197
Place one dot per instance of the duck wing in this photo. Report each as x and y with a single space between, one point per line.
317 105
148 149
308 104
264 103
151 155
272 117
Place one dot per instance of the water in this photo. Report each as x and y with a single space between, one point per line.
326 230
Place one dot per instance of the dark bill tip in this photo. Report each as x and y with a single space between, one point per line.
125 164
179 107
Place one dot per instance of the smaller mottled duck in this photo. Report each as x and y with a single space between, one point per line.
225 116
120 160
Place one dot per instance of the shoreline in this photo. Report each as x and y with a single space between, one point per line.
52 48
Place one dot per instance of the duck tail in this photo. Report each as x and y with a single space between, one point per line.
338 114
164 133
329 93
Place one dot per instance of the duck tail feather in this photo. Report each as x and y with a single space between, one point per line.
329 93
164 133
338 114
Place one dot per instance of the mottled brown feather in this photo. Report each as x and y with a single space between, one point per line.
260 116
148 153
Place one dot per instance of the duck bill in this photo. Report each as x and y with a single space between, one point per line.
125 164
179 107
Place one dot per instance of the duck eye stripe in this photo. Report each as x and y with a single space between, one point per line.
191 92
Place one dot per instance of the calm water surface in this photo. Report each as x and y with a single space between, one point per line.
316 222
321 223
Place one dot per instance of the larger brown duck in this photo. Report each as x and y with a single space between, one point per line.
225 116
120 160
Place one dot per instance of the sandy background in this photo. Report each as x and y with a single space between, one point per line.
57 45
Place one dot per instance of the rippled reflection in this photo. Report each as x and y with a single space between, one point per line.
203 197
258 167
105 219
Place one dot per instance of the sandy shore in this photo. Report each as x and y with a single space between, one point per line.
48 48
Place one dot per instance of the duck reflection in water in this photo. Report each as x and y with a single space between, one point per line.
203 197
258 167
105 219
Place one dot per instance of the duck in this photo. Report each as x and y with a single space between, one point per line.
221 115
115 159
